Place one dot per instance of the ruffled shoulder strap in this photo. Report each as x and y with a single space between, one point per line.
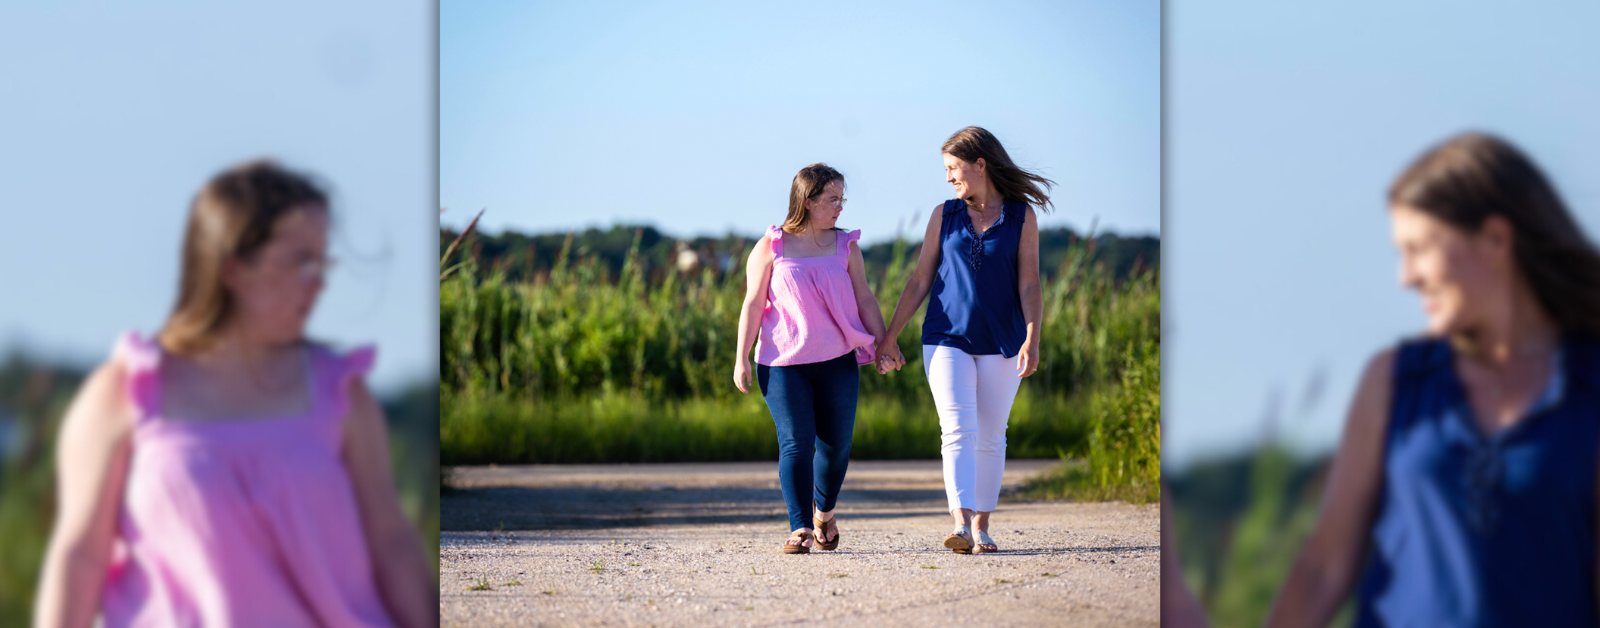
1415 360
1015 210
141 360
844 241
338 370
775 239
954 205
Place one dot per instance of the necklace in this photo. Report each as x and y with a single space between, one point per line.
975 252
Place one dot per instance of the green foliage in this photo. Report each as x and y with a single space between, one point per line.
579 365
1122 452
617 427
1241 522
524 257
1125 441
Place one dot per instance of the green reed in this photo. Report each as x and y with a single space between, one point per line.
578 365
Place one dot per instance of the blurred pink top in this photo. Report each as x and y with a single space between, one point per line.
811 313
249 522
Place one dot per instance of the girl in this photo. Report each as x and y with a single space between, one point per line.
808 292
227 472
980 261
1465 481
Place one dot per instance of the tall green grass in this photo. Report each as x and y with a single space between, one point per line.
1122 452
1241 521
578 365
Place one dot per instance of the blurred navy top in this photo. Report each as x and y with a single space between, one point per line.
1477 530
974 305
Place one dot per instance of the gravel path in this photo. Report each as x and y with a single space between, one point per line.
697 544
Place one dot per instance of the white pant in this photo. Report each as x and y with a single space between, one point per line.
973 394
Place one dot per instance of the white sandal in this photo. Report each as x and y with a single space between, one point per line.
983 539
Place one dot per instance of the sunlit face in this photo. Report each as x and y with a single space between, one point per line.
823 209
966 176
274 290
1458 274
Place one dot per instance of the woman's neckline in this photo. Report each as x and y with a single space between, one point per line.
1000 218
1551 393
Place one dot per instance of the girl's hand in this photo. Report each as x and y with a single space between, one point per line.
743 376
1028 358
889 357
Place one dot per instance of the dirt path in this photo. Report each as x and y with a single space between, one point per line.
697 544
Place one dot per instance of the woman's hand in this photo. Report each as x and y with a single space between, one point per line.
1028 358
889 357
742 376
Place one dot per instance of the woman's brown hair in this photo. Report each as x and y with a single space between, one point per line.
808 184
973 143
232 218
1473 176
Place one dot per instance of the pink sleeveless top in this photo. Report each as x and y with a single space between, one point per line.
249 522
811 313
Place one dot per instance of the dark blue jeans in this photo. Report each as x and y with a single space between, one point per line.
813 405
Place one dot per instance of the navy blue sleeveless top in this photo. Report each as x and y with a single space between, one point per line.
973 304
1478 530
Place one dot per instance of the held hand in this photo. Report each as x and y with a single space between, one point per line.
889 358
1028 360
742 376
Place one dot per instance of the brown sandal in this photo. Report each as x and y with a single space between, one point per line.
822 530
798 548
958 542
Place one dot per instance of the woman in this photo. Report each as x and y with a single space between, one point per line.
1468 464
808 292
227 472
980 261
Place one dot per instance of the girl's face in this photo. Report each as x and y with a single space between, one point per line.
1459 275
966 176
274 290
823 209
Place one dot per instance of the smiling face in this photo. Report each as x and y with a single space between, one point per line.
1461 276
823 210
274 288
968 177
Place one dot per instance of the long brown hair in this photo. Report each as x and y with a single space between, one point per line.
1473 176
808 184
231 218
1013 182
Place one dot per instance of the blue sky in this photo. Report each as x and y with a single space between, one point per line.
695 117
1285 124
114 115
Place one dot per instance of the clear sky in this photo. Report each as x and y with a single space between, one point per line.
1285 124
695 117
114 115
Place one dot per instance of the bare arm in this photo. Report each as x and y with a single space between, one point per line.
1028 290
1323 574
758 273
91 463
866 302
921 277
399 564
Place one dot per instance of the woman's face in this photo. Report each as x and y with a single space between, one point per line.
1459 275
823 209
274 290
966 176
